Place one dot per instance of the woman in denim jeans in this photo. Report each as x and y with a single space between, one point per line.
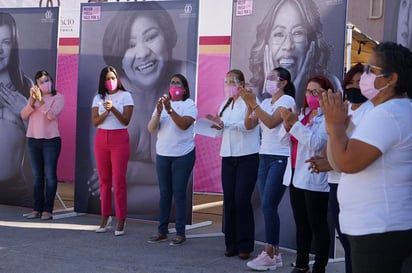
42 110
173 120
273 157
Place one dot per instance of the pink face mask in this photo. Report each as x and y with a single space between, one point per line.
176 92
367 85
231 91
45 87
272 87
313 102
111 85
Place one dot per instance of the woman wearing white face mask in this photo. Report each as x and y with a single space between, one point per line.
112 110
374 193
273 157
42 110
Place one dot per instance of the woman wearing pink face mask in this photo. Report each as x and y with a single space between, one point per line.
309 192
240 160
173 120
111 113
42 110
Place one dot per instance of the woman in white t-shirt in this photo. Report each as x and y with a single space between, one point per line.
173 120
111 113
273 157
375 190
240 160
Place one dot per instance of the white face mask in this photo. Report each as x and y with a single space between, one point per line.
272 87
367 85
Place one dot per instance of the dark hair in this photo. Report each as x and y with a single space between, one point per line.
185 83
310 13
396 58
357 68
19 80
102 81
285 75
239 76
117 34
322 81
42 73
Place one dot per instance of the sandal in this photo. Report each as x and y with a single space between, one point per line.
33 215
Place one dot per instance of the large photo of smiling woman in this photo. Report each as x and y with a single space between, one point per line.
307 37
147 43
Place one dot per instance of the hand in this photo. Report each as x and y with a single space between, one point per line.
108 104
289 117
11 99
36 94
159 106
248 96
335 111
219 123
318 164
93 183
166 102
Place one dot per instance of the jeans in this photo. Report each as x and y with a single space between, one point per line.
382 252
112 150
310 211
334 216
173 173
239 176
44 154
271 189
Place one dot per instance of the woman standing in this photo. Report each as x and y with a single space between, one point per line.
273 156
309 192
173 120
42 110
374 192
111 113
240 160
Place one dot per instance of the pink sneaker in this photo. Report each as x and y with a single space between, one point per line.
278 259
263 262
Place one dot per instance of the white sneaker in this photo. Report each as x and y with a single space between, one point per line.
263 262
278 259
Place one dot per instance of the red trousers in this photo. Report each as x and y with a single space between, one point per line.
112 150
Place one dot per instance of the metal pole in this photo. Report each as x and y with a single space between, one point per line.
349 29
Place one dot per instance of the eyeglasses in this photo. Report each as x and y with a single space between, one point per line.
297 35
173 83
231 82
368 68
312 92
274 78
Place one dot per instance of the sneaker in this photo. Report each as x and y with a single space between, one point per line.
262 262
278 259
157 238
179 240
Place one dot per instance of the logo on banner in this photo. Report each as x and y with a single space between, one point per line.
91 13
187 12
48 17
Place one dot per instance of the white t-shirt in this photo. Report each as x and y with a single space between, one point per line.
236 139
171 140
270 142
379 198
120 99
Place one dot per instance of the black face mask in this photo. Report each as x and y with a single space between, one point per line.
354 95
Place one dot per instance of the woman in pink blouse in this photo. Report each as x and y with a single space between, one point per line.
42 110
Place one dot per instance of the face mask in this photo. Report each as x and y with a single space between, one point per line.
272 87
111 85
231 91
176 92
313 102
45 87
367 85
354 95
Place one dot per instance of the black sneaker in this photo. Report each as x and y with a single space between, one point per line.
157 238
179 240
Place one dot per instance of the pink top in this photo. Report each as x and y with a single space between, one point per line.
43 120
